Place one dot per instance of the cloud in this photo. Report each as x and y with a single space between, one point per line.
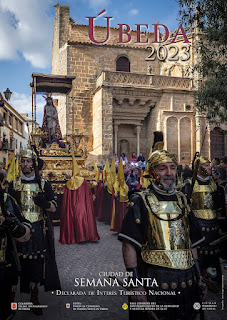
95 4
22 103
133 12
26 29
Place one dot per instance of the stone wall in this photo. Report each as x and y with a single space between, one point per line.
80 33
91 109
86 62
60 60
97 123
177 123
107 122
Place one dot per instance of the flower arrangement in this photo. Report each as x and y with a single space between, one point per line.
51 175
67 175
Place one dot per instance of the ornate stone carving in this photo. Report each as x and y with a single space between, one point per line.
138 80
188 70
171 82
126 78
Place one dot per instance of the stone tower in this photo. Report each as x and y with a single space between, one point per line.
120 97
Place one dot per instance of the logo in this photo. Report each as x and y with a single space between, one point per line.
67 305
125 306
196 305
13 306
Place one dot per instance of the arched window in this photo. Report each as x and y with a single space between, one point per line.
217 143
185 140
123 64
172 137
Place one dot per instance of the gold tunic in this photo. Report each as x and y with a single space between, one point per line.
168 243
203 204
30 210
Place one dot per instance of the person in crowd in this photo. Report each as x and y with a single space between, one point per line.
116 160
35 198
124 159
13 226
215 162
133 157
136 173
159 238
2 169
127 171
223 163
131 182
219 175
187 172
207 207
77 222
141 158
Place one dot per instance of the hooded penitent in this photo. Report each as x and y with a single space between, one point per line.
77 222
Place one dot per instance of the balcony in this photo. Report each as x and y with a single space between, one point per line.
5 144
127 79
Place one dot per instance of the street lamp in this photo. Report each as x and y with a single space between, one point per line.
7 94
36 137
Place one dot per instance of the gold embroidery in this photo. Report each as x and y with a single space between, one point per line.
206 214
175 259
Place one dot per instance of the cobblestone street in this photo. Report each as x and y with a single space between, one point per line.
87 261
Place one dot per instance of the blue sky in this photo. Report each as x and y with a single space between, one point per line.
26 30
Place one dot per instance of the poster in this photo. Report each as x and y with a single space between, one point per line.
95 41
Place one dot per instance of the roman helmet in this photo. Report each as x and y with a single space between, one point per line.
29 154
202 160
158 156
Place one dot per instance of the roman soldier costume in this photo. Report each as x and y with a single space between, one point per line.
163 230
37 256
12 227
207 208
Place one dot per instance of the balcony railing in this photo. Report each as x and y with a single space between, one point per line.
110 78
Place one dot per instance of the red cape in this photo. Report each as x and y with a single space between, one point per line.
98 197
77 223
105 214
120 211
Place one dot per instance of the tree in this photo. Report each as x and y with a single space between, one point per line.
209 19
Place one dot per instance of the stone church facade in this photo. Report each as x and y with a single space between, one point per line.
122 93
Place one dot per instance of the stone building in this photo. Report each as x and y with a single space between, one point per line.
123 92
13 132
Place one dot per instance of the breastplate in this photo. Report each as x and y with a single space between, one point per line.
29 209
168 243
203 204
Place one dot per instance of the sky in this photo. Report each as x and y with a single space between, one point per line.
26 31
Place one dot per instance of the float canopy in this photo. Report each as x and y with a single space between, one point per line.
50 83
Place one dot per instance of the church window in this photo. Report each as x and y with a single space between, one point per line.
123 64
